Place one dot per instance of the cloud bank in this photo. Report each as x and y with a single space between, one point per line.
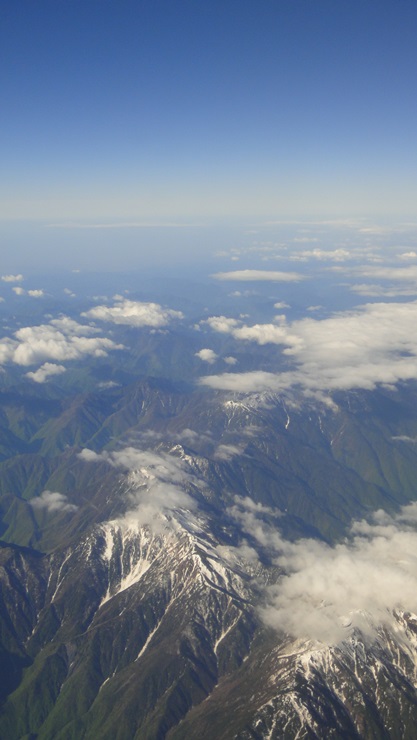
325 592
328 592
370 345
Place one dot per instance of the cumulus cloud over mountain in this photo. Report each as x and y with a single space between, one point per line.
47 370
134 313
52 501
328 591
157 484
362 348
227 451
60 340
324 592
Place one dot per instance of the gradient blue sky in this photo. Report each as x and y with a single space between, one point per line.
168 111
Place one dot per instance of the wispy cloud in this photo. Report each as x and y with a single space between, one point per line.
381 272
157 485
122 225
373 290
332 255
408 255
52 501
227 451
274 276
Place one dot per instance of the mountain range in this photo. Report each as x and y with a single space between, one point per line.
151 534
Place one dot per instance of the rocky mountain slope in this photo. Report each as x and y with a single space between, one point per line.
149 534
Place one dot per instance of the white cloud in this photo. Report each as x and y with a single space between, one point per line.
62 339
227 451
105 384
379 291
46 370
408 273
326 591
207 355
222 324
36 293
72 328
371 345
157 482
19 291
265 334
150 464
230 360
91 456
260 275
260 333
408 255
134 313
12 278
241 293
250 515
191 437
52 501
281 304
334 255
256 381
246 504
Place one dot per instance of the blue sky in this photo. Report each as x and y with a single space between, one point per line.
190 112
